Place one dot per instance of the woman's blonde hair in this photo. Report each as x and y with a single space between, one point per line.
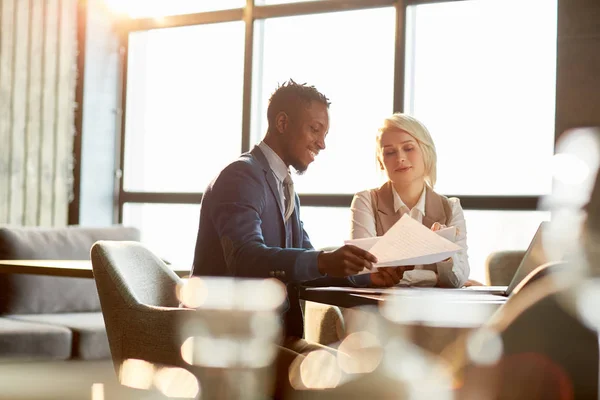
416 129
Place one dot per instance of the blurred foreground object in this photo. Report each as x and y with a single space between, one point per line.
549 330
234 339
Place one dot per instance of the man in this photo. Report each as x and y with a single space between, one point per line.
250 216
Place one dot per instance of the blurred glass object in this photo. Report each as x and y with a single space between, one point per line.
379 358
477 85
234 339
98 391
430 331
421 374
320 370
587 303
360 353
575 227
484 346
436 307
555 319
170 381
575 168
176 383
136 374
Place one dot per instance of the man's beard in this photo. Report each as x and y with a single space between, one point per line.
299 168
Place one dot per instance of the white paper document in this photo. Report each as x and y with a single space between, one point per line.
409 242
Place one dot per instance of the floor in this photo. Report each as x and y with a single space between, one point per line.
66 380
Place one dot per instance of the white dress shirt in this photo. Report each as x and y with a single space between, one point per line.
456 269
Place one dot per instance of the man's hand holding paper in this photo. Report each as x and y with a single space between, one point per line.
409 243
344 261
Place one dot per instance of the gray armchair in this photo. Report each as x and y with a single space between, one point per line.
139 303
323 323
138 296
501 266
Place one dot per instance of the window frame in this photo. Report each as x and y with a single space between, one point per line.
249 14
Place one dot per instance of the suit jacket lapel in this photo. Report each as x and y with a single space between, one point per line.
270 177
385 207
434 209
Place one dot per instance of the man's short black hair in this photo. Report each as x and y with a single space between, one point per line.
289 96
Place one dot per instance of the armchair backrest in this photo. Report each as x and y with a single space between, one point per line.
138 297
501 266
139 276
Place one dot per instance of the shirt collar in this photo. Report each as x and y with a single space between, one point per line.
275 162
398 203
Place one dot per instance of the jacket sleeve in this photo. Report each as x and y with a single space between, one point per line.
239 196
306 244
455 272
352 281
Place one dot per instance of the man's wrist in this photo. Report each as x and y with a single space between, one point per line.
306 266
363 280
321 262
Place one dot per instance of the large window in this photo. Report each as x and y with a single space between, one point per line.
483 82
184 106
168 229
479 73
490 231
356 73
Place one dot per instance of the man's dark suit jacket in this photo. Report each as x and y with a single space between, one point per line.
242 233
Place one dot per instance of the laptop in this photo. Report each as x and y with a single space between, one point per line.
533 258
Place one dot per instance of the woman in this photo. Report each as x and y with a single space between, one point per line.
406 152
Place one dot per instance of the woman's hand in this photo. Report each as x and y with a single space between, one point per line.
437 226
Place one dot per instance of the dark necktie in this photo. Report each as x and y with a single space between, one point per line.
288 196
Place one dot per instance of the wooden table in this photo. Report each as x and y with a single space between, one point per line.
65 268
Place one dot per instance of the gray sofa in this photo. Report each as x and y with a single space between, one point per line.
52 318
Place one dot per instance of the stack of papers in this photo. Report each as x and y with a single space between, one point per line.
409 242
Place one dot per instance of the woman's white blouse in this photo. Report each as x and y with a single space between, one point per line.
453 272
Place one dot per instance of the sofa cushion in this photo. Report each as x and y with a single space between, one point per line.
28 294
29 340
70 243
89 334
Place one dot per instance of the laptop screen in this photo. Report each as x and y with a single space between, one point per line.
533 258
